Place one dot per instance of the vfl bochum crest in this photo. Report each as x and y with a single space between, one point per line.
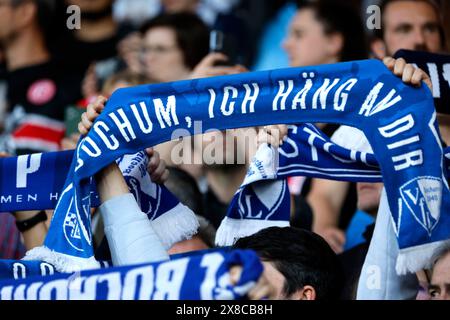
398 120
263 199
422 198
74 229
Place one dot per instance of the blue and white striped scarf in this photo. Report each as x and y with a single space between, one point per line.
399 121
196 277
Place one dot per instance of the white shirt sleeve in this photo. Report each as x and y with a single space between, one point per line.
130 235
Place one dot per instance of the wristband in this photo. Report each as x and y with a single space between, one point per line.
31 222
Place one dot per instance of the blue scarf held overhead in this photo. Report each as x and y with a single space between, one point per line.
171 220
263 199
22 189
306 152
399 121
197 277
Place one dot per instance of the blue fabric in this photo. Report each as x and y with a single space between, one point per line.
356 228
263 199
197 277
271 55
22 269
36 184
307 151
398 120
35 181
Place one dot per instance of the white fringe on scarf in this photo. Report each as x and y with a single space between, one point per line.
417 258
231 230
62 262
175 225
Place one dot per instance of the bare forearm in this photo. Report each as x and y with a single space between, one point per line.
35 236
110 183
326 198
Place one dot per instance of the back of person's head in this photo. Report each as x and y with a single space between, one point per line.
192 35
302 257
338 16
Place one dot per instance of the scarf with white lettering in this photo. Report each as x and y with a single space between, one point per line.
171 220
399 121
437 66
263 199
196 277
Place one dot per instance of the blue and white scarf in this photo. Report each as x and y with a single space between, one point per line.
23 189
263 199
171 220
23 269
399 120
197 277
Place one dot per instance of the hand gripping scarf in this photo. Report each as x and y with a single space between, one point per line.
398 120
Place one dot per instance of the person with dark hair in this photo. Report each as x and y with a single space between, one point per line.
37 91
299 264
323 32
173 45
408 24
99 46
38 88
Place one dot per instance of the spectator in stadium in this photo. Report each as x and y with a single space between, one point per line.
134 229
99 46
175 47
324 32
173 44
406 24
39 87
439 288
409 24
298 265
228 17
